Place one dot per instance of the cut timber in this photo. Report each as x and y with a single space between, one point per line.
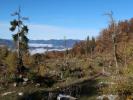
60 97
6 93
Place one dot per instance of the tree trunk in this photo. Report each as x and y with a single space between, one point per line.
115 54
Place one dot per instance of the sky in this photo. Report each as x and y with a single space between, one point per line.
56 19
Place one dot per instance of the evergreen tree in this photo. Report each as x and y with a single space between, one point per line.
93 43
87 45
20 38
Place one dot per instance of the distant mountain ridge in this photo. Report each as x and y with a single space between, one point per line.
7 42
54 42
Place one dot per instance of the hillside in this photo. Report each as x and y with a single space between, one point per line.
69 72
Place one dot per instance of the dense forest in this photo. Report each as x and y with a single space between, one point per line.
96 66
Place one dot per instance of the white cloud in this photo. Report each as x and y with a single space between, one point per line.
56 32
41 31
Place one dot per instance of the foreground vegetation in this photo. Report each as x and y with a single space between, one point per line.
93 67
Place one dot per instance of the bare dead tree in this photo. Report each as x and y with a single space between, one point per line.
114 39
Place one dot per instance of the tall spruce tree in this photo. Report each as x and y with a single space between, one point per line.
20 37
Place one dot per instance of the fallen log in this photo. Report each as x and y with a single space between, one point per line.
74 83
7 93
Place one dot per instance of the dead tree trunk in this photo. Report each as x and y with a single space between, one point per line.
115 52
114 39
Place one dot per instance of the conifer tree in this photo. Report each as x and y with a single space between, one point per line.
20 37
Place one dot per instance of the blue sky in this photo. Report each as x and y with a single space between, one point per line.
54 19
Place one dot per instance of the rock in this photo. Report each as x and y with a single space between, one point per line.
20 93
110 97
25 79
15 84
37 85
20 76
24 83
